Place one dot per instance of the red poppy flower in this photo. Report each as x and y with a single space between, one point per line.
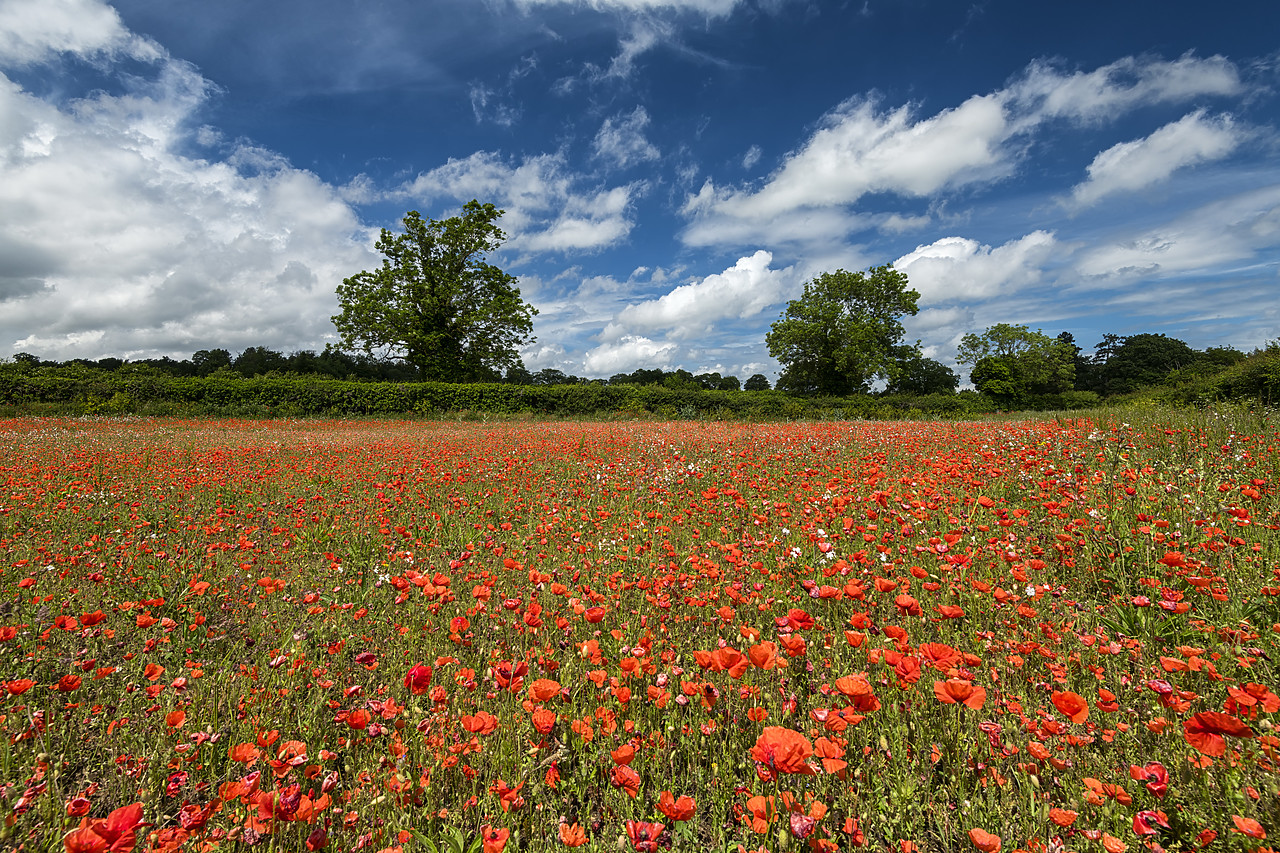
1145 822
957 690
482 723
418 679
1072 705
676 809
625 778
644 835
1205 731
782 750
494 839
114 833
984 841
543 721
1248 826
1154 775
19 686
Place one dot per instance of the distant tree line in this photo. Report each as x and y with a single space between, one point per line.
338 364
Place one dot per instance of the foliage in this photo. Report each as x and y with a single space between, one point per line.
1013 364
1008 635
437 302
916 374
842 333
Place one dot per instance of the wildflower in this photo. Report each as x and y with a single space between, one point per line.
625 778
418 679
572 835
1146 821
676 809
984 841
1072 705
494 839
958 691
644 836
782 750
1205 731
115 832
1249 827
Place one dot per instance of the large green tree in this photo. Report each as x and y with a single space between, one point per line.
842 333
436 302
1012 363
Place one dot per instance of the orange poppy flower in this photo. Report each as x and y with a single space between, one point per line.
1063 817
481 723
543 721
764 655
958 691
984 841
624 754
494 839
572 835
762 813
1072 705
544 689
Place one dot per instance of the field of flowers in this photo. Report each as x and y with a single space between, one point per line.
1040 635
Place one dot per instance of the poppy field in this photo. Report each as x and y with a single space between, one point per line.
1041 635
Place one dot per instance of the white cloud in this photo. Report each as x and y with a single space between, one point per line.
708 8
1130 166
621 140
629 353
115 241
1044 92
957 268
1227 233
32 30
548 208
861 149
752 157
691 310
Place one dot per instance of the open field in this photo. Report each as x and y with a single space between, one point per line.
1041 635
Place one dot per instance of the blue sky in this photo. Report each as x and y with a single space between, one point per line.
180 175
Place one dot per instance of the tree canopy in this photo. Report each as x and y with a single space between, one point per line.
842 333
436 302
1012 363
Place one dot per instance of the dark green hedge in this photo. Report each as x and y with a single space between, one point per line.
84 390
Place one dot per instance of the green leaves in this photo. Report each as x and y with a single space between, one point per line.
842 333
436 301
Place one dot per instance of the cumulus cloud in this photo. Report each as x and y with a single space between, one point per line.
958 268
621 140
115 241
33 30
628 353
1130 166
691 310
548 207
